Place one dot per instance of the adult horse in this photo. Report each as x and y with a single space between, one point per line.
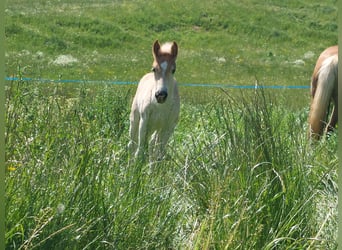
156 105
324 89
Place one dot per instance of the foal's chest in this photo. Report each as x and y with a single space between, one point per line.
164 114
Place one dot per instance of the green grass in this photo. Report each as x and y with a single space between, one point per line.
239 173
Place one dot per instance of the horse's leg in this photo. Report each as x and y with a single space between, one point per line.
133 131
168 131
142 137
163 143
333 120
164 137
153 145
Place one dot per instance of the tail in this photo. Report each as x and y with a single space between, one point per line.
326 81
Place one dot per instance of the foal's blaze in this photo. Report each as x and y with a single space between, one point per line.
324 84
164 65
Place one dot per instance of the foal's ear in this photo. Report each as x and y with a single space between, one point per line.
174 49
155 48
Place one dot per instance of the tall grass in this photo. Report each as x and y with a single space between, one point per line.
249 175
239 174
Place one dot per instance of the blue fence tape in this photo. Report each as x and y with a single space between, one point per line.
207 85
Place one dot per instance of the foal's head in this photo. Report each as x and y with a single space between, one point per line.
164 66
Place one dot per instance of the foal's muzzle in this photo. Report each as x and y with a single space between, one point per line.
161 96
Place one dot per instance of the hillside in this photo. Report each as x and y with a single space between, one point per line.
230 42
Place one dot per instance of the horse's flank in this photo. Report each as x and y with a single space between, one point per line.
324 90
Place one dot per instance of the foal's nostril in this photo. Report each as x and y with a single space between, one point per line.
161 96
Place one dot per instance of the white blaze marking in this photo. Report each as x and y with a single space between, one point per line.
163 65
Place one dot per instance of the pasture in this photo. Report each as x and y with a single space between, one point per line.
239 171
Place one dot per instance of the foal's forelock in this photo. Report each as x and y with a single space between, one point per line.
164 67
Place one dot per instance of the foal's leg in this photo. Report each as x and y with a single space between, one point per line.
162 145
133 132
153 146
163 139
166 133
142 137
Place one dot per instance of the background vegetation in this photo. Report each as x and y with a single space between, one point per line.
240 173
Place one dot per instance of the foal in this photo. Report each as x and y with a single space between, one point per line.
156 105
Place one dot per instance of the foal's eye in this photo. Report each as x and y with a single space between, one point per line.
173 69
